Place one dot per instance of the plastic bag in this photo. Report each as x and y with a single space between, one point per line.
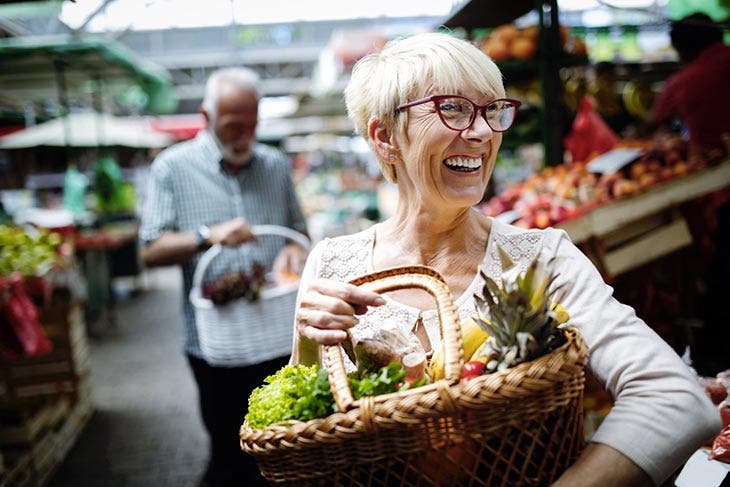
21 334
112 193
721 446
590 135
74 190
377 347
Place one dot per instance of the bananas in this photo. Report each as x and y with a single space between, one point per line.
472 337
638 97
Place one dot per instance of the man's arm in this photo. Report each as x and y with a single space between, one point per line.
602 466
177 248
170 248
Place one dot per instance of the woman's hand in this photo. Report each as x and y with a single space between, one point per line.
328 308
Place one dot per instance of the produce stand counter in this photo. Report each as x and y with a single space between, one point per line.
105 253
631 232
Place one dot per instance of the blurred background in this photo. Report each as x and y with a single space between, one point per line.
92 90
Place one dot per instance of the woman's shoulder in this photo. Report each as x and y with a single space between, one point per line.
345 256
524 236
522 244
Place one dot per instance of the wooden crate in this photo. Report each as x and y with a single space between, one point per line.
41 456
30 380
21 426
632 232
49 454
18 473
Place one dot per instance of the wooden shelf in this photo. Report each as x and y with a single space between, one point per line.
630 233
606 219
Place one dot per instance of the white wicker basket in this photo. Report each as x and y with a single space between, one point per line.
243 332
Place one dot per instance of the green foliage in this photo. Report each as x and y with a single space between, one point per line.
390 378
294 392
301 393
31 255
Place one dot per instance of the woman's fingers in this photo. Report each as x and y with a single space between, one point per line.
328 308
354 296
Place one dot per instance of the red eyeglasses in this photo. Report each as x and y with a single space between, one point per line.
458 112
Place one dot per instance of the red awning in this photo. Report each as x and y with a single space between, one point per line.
182 127
9 129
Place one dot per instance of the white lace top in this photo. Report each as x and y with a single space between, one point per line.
660 416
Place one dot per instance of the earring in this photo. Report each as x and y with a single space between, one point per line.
391 157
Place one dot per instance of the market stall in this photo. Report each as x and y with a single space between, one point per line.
45 393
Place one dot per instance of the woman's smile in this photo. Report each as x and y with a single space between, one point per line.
463 163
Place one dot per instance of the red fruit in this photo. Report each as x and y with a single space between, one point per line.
471 370
715 389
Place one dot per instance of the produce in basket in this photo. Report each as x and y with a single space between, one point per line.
235 285
301 392
514 323
520 315
491 430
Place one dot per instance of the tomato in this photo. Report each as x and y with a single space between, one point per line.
471 370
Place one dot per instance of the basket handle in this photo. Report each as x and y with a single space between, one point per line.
393 279
196 295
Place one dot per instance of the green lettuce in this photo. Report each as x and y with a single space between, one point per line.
294 392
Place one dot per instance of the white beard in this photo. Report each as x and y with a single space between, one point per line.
229 154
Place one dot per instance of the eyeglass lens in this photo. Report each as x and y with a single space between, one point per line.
459 113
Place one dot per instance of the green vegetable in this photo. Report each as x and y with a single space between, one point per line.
301 393
294 392
391 378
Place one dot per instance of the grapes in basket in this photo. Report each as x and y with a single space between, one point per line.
234 285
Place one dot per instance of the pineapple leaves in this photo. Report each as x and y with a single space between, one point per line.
518 314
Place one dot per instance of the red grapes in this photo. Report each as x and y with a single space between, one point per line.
235 285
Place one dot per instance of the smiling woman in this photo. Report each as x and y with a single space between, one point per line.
432 108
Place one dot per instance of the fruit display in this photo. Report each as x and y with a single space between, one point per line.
638 98
234 285
30 252
564 192
26 256
508 42
716 389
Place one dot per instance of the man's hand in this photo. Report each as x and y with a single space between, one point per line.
289 261
231 233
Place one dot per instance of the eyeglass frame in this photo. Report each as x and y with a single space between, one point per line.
477 109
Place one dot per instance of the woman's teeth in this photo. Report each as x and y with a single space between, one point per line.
463 163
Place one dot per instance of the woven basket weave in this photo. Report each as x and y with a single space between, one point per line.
243 332
521 426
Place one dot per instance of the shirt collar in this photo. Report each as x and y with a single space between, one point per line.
215 156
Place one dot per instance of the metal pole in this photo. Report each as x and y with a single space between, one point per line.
552 117
60 69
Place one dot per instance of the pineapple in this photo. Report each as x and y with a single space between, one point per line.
520 317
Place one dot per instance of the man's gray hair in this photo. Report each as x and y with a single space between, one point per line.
236 77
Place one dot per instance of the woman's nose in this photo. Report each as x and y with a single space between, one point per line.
479 128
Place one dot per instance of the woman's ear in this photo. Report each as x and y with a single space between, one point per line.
380 138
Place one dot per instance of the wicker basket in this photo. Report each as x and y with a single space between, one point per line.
521 426
243 332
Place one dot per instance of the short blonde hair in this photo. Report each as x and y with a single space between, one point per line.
411 67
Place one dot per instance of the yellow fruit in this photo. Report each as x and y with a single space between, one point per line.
561 314
472 337
478 356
